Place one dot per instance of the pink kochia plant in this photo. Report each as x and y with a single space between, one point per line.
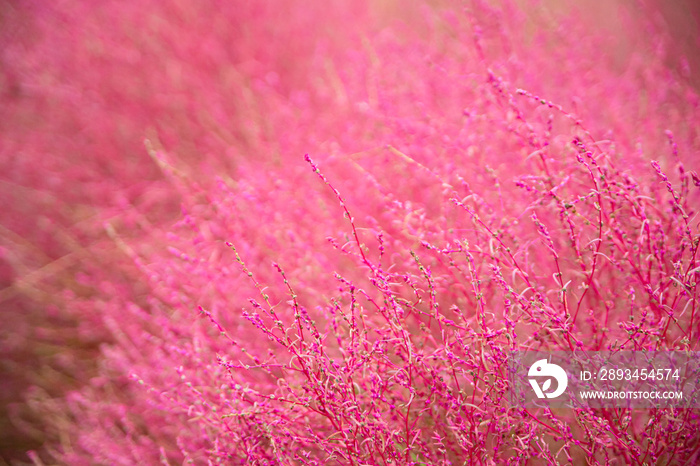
477 181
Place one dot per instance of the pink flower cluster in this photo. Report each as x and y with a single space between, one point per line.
284 233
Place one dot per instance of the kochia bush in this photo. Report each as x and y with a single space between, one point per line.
341 222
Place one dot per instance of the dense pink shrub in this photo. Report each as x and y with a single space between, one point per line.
268 233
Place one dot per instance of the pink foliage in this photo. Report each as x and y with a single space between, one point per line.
312 232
